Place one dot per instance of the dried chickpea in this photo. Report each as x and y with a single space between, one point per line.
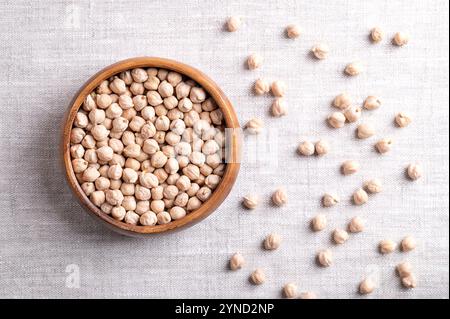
97 198
340 236
404 269
278 107
400 39
387 246
360 197
373 186
254 61
258 277
414 171
322 147
193 203
329 200
254 126
325 258
163 218
177 212
293 31
320 51
353 69
118 212
372 102
204 193
356 225
279 197
384 145
376 35
79 165
237 261
308 295
272 241
261 87
278 88
365 130
352 113
336 119
366 286
233 23
250 201
408 243
319 222
350 167
342 101
306 148
409 281
290 291
402 119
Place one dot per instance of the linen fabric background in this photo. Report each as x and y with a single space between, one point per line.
48 49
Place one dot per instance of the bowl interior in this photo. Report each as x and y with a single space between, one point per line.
232 156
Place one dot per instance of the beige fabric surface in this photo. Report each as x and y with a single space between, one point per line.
49 48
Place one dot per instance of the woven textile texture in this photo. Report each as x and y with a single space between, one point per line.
50 248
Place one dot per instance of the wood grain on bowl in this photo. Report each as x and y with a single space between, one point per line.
232 154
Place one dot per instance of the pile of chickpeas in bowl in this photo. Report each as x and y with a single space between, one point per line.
147 146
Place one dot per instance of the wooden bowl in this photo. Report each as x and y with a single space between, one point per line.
232 156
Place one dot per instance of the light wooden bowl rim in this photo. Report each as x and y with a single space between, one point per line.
231 121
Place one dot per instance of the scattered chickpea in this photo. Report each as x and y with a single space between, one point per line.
415 171
261 87
320 51
322 147
250 201
366 286
404 269
372 102
325 258
353 68
278 88
352 113
342 101
278 108
233 23
279 197
373 186
340 236
400 39
329 200
365 130
409 281
254 61
272 241
290 290
356 225
402 119
387 246
293 31
237 261
408 243
360 197
350 167
258 277
306 148
319 222
376 35
384 145
336 119
254 126
308 295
